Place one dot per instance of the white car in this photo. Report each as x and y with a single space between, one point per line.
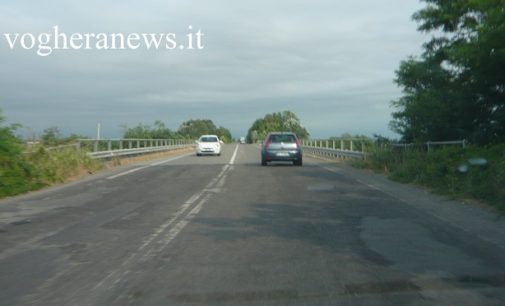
208 145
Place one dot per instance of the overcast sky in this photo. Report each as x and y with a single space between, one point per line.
331 62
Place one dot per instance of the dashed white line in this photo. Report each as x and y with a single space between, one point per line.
143 167
171 159
126 172
179 226
157 241
176 215
232 160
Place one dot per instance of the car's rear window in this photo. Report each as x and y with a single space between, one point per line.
208 139
282 138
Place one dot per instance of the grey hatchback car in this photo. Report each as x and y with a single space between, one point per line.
281 146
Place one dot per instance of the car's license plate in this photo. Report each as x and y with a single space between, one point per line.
282 154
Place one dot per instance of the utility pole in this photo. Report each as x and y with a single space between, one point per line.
98 131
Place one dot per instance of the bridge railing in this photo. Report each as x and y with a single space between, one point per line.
107 148
343 148
356 148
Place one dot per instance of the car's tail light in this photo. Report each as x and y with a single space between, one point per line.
298 142
267 143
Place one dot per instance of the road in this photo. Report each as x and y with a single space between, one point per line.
226 231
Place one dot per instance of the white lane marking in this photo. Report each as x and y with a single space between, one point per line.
232 160
176 215
150 248
171 159
162 243
177 228
126 172
153 164
184 207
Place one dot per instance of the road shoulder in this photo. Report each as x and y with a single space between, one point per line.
479 220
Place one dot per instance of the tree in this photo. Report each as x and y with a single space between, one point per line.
285 121
193 129
456 89
142 131
190 129
14 171
224 134
51 136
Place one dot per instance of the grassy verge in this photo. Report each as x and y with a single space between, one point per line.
40 168
475 172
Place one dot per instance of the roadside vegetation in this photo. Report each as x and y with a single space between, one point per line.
464 173
454 90
22 170
191 129
53 159
285 121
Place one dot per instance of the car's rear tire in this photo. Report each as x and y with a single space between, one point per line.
198 154
298 162
263 162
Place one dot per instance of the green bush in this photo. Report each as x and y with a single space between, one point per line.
57 166
441 170
15 173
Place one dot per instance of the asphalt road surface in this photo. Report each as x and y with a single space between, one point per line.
227 231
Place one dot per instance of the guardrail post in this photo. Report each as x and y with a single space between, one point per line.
333 144
78 146
129 144
342 144
352 146
120 144
95 146
428 144
109 145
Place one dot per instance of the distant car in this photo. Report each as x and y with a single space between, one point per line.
242 139
208 145
281 146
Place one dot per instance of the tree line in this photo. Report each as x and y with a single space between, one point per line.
285 121
456 88
191 129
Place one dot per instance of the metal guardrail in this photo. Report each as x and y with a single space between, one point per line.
346 148
334 148
108 148
430 144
